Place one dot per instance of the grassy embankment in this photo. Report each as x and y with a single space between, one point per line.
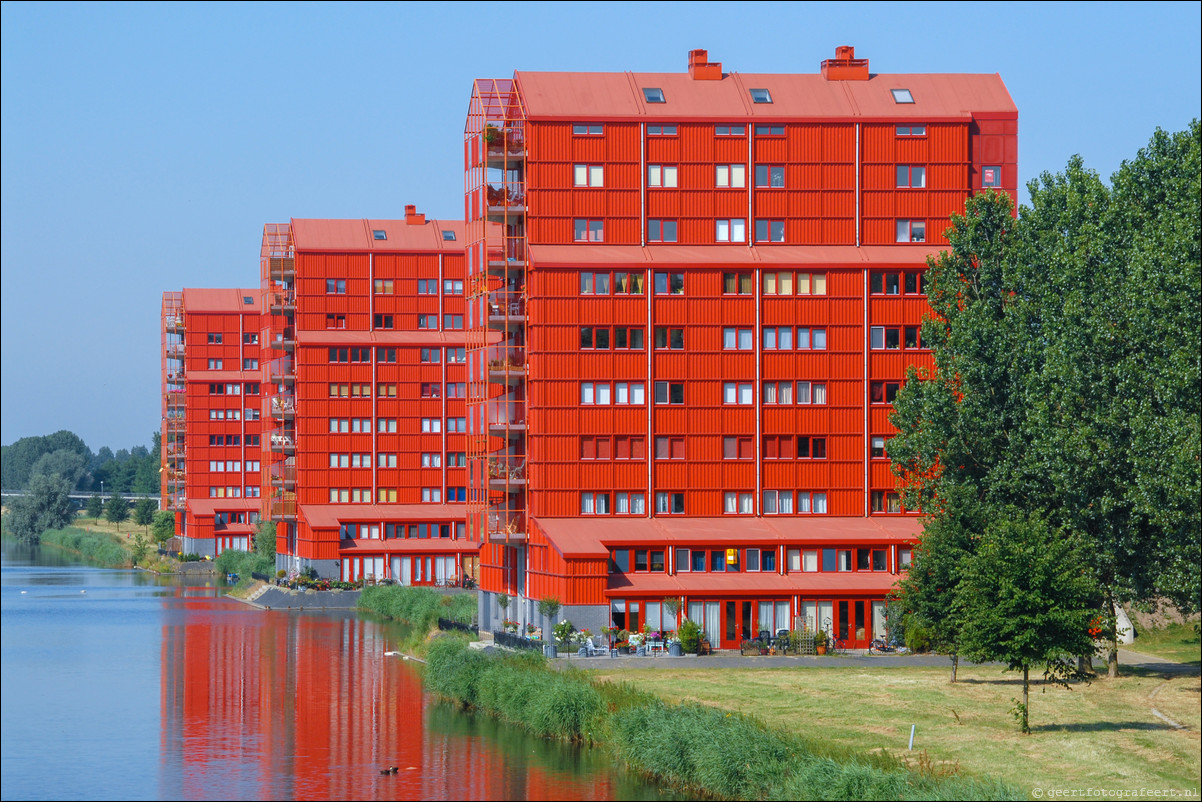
419 609
122 534
697 748
1179 642
1101 735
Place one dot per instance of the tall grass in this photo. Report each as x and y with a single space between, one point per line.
95 547
244 563
698 749
416 606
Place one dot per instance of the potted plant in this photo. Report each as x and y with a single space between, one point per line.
690 636
637 641
674 647
820 640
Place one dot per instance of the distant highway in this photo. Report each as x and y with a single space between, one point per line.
80 500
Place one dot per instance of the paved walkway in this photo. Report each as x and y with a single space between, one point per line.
269 597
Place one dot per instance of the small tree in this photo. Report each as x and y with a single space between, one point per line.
548 608
116 509
163 527
672 605
144 512
46 505
139 549
502 603
1027 599
95 506
265 540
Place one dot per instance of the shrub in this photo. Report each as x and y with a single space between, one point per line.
918 637
95 547
690 636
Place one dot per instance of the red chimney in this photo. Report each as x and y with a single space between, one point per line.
412 217
700 68
845 66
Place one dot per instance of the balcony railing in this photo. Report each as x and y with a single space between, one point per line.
283 405
282 442
281 268
283 508
284 474
507 469
283 301
282 370
284 340
508 252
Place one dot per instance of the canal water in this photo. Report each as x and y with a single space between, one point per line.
123 685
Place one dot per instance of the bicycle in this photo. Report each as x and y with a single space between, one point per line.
879 646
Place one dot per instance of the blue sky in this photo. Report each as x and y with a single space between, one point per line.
145 145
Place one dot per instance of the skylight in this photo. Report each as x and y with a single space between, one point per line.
448 236
902 96
246 299
379 233
761 96
654 95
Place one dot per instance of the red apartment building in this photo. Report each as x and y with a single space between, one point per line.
365 455
655 362
691 298
211 415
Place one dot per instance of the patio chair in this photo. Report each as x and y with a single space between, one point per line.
591 650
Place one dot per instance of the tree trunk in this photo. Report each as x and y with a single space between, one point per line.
1026 698
1112 659
955 665
1085 664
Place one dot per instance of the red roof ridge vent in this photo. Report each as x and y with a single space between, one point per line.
701 68
412 217
845 66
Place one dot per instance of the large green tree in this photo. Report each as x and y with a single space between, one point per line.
163 527
45 505
144 511
116 509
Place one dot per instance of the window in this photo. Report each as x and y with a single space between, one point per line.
884 283
628 284
778 502
878 447
432 495
729 130
431 425
669 392
427 322
452 322
455 355
250 364
427 286
661 130
669 503
811 339
335 286
883 392
738 393
778 337
387 425
730 175
586 129
778 446
457 425
812 502
884 337
915 284
991 176
628 337
778 392
661 175
594 283
595 393
669 338
811 283
431 390
737 448
452 286
653 95
595 448
811 447
669 283
905 558
769 175
911 175
778 283
737 283
911 130
760 96
669 448
588 175
911 231
431 355
382 460
811 393
629 448
886 501
631 393
769 230
738 339
631 504
589 230
770 130
250 339
448 236
383 355
215 364
913 337
902 96
382 321
661 231
594 504
734 503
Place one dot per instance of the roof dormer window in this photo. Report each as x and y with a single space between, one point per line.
652 95
902 96
379 233
761 96
448 236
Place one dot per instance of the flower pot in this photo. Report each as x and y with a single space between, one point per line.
821 649
674 650
550 650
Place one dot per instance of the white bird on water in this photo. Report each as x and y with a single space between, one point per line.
83 591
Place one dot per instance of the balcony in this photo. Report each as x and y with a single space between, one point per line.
503 147
282 301
505 199
506 526
284 340
282 371
507 255
174 323
506 309
283 443
174 350
281 268
283 475
499 425
506 471
283 407
283 508
506 371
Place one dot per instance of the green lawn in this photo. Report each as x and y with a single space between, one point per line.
1101 735
1178 642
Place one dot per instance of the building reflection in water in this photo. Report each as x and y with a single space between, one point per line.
288 705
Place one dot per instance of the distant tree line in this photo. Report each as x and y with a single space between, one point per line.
64 454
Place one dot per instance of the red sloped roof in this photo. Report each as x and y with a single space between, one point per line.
422 337
806 255
329 516
614 95
441 545
591 536
200 300
211 506
338 236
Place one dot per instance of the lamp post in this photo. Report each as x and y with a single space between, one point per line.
102 487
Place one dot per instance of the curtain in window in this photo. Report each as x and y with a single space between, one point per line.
713 622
